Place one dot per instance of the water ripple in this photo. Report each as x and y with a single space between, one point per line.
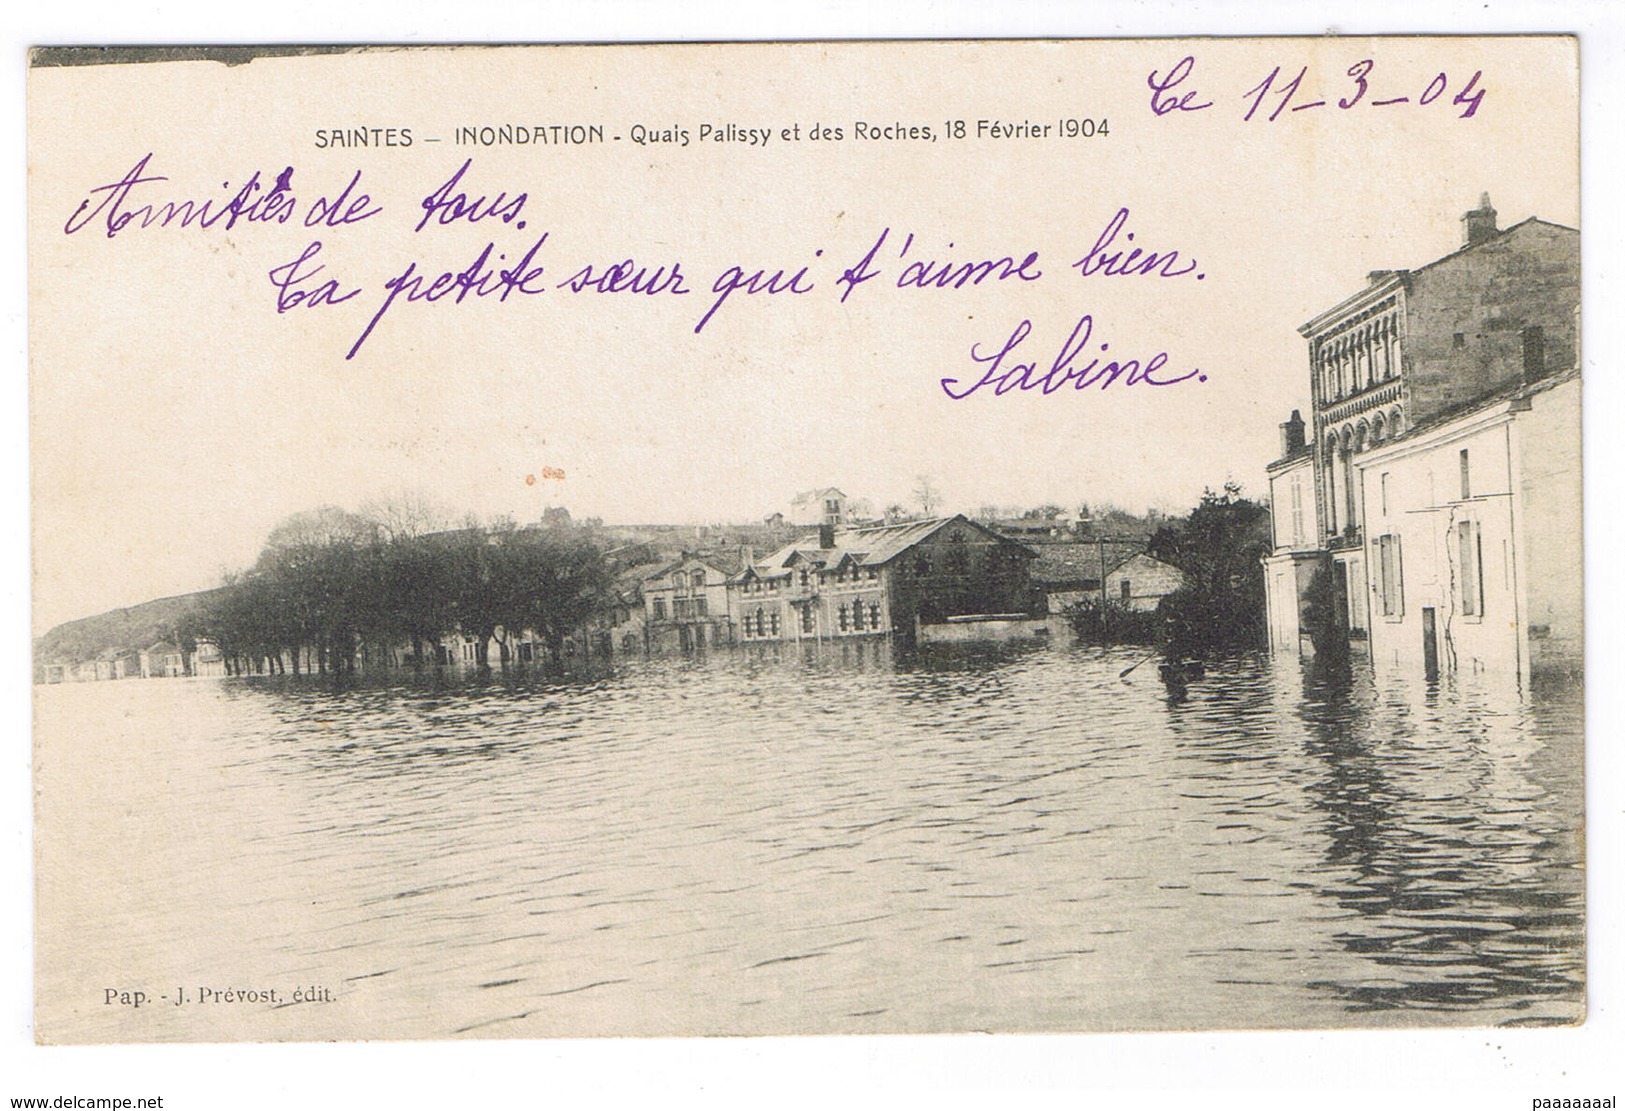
787 841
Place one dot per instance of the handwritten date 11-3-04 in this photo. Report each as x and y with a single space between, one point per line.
1281 91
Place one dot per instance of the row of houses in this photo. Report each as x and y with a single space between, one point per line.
895 580
829 584
1430 509
162 660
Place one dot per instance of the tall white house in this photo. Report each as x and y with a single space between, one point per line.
1473 537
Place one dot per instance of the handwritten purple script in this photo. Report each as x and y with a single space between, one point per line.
516 264
127 201
1005 372
1173 90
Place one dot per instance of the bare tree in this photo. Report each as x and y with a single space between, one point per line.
927 495
407 515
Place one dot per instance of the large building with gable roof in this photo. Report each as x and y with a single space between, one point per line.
881 581
686 602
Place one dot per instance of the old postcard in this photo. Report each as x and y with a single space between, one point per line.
821 538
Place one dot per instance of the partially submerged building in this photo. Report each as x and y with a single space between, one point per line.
886 580
1431 504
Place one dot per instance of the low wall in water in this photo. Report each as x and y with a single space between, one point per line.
995 627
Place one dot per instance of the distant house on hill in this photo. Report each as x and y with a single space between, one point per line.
827 506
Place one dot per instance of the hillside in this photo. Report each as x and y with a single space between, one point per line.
131 627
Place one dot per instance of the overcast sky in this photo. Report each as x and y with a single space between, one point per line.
177 416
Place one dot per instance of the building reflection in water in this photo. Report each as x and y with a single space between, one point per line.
1450 816
1013 838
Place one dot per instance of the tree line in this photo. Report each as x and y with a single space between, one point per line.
1219 549
329 582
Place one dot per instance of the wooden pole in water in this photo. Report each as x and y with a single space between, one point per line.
1101 547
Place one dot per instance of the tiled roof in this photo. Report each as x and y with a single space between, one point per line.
1510 392
727 563
869 547
1068 563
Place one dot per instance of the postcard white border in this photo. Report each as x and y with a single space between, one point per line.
1328 1070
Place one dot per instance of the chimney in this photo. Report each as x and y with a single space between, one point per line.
1534 352
1292 434
1479 224
826 536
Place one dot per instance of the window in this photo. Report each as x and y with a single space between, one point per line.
807 618
1297 509
1459 340
698 580
773 622
843 618
679 583
1126 590
1470 568
700 606
660 609
874 615
1466 477
1390 576
857 617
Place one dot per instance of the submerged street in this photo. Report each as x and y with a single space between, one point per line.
767 841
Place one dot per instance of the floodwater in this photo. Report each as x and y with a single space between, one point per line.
755 842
